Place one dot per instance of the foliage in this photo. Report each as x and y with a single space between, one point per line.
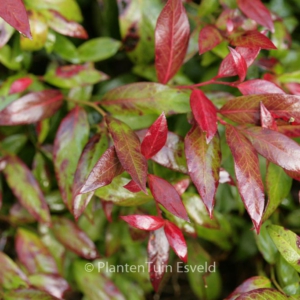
168 123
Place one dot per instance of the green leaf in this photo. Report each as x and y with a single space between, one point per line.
26 189
144 98
14 143
98 49
31 294
288 244
262 294
290 77
65 48
70 140
7 58
11 276
41 172
278 187
6 100
286 274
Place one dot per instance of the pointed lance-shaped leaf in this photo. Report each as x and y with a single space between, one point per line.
171 40
132 187
204 113
144 222
155 137
240 64
255 10
89 156
26 189
246 109
209 38
176 240
158 256
33 254
128 149
31 108
275 147
73 238
266 118
203 162
258 87
71 137
247 174
20 85
14 13
165 194
251 39
227 67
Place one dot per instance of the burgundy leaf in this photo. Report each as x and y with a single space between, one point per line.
251 39
105 170
247 174
176 240
20 85
239 63
31 108
255 10
289 130
14 13
69 70
73 238
204 113
182 185
227 67
266 118
107 208
203 162
155 137
128 149
144 222
33 254
158 256
60 24
165 194
26 189
293 87
259 86
209 38
275 147
171 40
132 187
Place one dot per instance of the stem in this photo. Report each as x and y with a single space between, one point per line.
221 121
275 281
90 104
158 209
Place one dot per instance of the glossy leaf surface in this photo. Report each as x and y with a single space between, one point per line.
203 161
132 187
165 194
128 149
26 189
158 256
239 63
258 87
247 174
171 40
266 118
204 113
31 108
209 38
20 85
71 137
144 222
176 240
155 137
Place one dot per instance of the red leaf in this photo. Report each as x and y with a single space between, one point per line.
14 13
176 240
105 170
246 109
251 39
31 108
240 64
132 187
293 87
144 222
182 185
255 10
107 208
203 162
155 137
266 118
158 256
209 38
128 150
227 67
289 130
165 194
259 86
275 147
171 40
69 70
247 174
265 293
60 24
20 85
204 113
